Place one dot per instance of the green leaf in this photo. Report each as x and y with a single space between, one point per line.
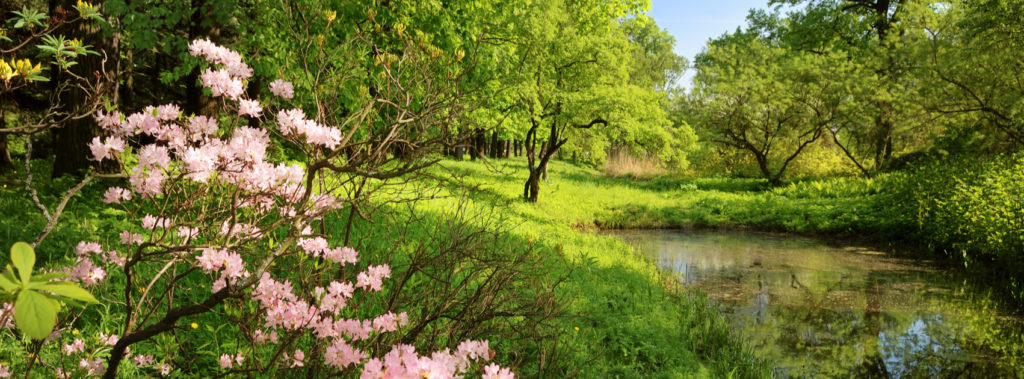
35 314
68 290
8 285
23 257
48 276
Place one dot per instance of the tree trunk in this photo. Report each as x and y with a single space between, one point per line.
70 141
495 145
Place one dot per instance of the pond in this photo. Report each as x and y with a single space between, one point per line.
821 310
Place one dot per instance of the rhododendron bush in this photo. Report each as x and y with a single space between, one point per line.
210 206
220 208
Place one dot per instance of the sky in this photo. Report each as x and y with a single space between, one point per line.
693 22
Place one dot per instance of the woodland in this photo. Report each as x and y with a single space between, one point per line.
423 188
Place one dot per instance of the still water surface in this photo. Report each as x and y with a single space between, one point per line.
821 310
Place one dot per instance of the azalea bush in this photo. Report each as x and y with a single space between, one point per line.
220 226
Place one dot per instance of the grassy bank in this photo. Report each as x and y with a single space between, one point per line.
618 315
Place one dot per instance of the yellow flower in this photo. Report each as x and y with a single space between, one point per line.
576 328
24 67
6 72
194 325
76 332
331 15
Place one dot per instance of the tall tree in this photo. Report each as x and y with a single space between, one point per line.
766 100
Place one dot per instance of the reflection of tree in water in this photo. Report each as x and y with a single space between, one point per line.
818 312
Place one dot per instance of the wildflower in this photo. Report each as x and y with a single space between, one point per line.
108 340
91 367
194 325
74 347
143 360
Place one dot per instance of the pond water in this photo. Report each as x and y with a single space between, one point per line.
819 310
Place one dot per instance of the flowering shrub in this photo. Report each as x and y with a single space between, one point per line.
211 207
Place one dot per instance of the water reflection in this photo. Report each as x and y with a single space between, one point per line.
823 311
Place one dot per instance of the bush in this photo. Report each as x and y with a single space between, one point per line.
971 211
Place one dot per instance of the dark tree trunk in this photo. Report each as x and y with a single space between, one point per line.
479 145
495 145
5 155
70 141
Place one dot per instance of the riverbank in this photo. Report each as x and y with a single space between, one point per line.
617 314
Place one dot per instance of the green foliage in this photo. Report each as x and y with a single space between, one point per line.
63 52
971 211
37 299
28 18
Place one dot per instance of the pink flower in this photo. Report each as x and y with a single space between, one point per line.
200 162
147 184
373 277
260 337
143 360
116 195
249 108
493 371
129 238
249 144
106 148
291 121
341 355
91 367
282 88
151 222
314 246
74 347
114 258
188 233
202 126
108 340
165 369
221 83
87 272
109 121
154 156
226 361
297 358
167 112
341 255
86 248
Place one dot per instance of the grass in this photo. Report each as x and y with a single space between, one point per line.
624 317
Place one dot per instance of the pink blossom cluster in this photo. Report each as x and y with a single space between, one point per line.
85 270
403 362
219 55
226 81
293 121
229 361
373 277
282 88
191 154
229 263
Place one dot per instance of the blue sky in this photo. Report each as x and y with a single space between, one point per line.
693 22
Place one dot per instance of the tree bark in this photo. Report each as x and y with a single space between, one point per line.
70 141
